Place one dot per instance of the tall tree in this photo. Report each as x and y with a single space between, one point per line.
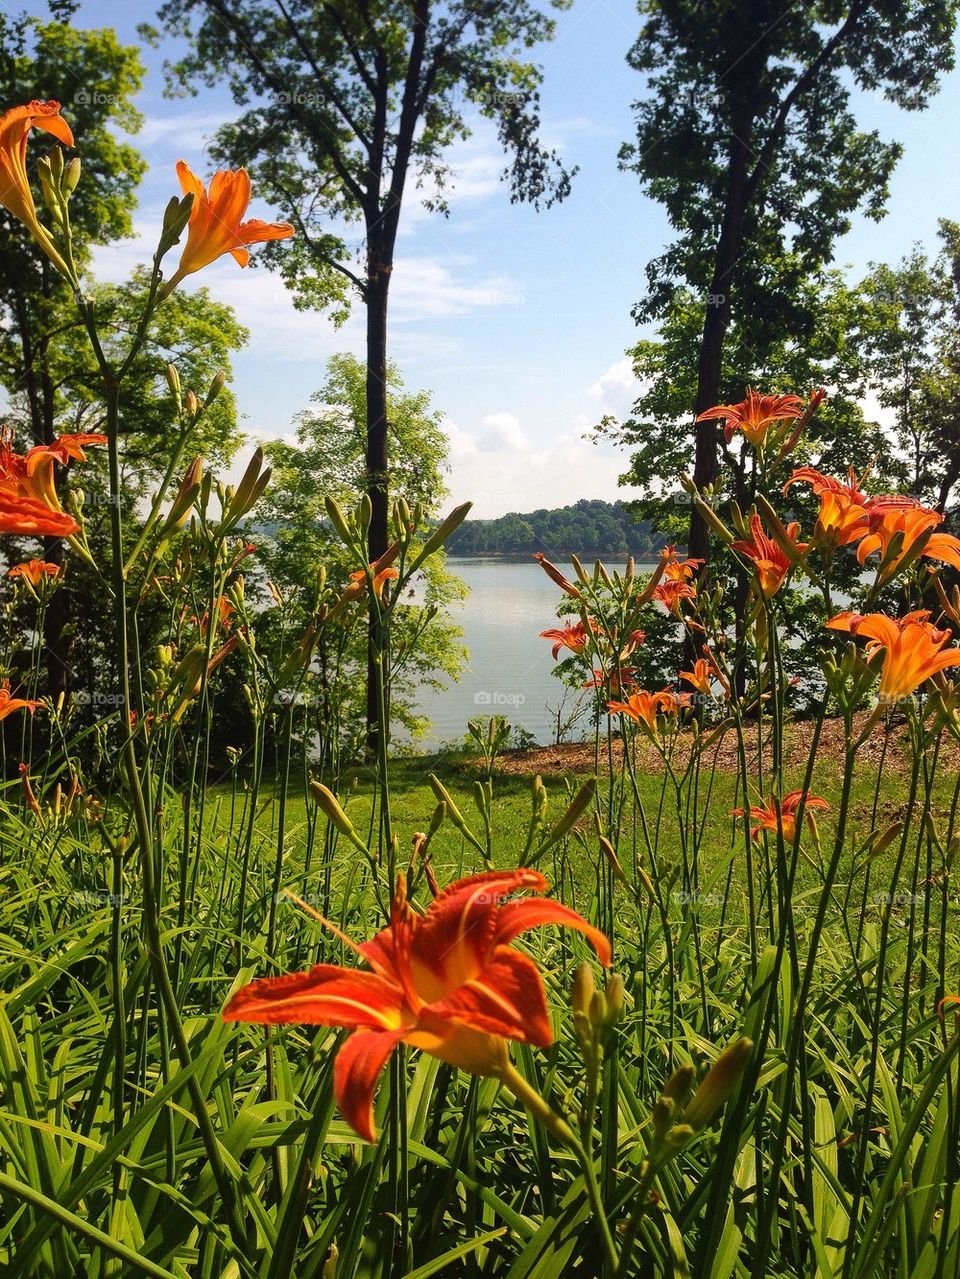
911 342
189 330
328 459
749 139
344 101
95 77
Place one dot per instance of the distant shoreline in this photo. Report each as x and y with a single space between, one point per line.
520 557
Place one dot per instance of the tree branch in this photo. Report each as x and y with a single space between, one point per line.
801 85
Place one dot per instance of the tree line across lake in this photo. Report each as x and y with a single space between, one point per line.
587 527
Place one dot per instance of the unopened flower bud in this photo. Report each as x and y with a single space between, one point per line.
615 999
719 1083
71 175
584 989
679 1135
216 386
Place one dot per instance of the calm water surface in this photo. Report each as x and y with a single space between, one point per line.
509 668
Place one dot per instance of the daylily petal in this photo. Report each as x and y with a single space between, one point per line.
33 519
945 547
324 996
460 1046
517 917
455 937
355 1073
506 998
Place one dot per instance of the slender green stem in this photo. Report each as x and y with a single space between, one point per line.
558 1127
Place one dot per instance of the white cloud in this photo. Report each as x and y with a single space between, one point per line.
426 288
504 429
475 165
529 476
617 389
187 132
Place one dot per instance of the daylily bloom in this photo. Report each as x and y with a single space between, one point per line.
705 672
380 577
15 193
914 649
34 571
225 610
754 415
573 636
615 680
675 582
634 640
9 704
215 225
33 519
643 707
842 517
769 558
907 521
380 571
672 591
447 982
30 475
787 820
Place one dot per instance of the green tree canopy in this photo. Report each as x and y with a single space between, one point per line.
748 137
343 105
295 540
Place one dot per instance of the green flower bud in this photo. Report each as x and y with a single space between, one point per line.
719 1083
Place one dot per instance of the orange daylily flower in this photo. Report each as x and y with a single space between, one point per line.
224 611
671 592
705 672
447 982
380 577
15 193
215 225
573 636
9 703
787 820
842 517
675 582
770 560
30 477
634 640
380 571
33 519
643 707
618 680
34 571
914 648
754 415
891 517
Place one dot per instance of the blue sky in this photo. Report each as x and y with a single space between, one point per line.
517 322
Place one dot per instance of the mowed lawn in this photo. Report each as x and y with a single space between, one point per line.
720 857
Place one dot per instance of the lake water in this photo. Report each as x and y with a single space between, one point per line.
509 669
509 602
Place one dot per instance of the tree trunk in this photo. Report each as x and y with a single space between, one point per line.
377 461
715 325
719 309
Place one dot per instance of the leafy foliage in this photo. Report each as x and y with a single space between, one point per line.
327 460
585 528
